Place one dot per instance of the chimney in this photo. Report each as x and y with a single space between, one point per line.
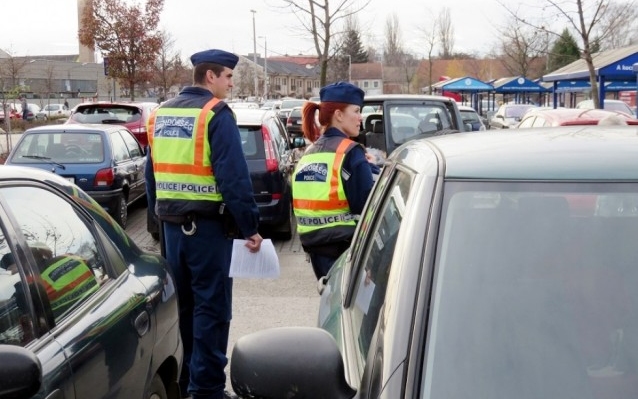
87 54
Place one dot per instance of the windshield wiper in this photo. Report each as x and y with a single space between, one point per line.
46 159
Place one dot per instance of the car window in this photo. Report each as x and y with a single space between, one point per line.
59 147
248 135
409 120
374 266
15 325
527 122
543 272
540 122
132 144
69 265
120 151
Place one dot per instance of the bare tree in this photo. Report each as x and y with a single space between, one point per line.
10 76
585 18
319 19
430 40
521 46
392 49
446 33
617 33
167 67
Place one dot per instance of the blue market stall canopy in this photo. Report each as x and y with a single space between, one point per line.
465 84
568 86
616 64
517 84
621 85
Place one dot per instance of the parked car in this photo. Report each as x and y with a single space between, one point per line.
487 264
32 111
271 104
609 104
393 119
87 313
252 105
105 161
53 111
11 110
509 115
293 123
470 116
287 105
271 158
133 115
571 116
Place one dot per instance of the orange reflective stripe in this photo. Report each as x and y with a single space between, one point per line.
334 179
198 170
319 205
151 127
201 131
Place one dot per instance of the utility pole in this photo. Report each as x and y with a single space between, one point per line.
265 67
254 50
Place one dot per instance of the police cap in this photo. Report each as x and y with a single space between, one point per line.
215 56
342 92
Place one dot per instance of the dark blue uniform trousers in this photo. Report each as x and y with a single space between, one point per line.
200 263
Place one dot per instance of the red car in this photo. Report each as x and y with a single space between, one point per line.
13 115
133 115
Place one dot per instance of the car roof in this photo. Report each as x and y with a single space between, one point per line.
384 97
75 128
251 116
466 108
556 153
581 116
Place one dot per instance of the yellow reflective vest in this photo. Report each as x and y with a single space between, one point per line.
319 200
67 280
181 153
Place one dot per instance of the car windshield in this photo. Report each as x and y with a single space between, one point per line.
59 147
516 111
535 292
469 116
408 121
288 104
618 106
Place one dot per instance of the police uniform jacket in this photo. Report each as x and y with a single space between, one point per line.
228 162
357 181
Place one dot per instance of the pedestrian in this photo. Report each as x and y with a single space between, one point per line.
196 171
333 178
25 108
66 103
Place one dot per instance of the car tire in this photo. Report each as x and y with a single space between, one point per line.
157 390
120 211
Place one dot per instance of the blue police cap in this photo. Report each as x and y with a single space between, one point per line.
342 92
215 56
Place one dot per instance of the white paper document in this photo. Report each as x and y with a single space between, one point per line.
246 264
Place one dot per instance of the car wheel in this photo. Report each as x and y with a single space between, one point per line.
120 211
157 391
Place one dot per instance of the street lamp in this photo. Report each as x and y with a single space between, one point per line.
254 50
265 67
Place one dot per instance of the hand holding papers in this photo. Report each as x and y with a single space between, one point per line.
262 264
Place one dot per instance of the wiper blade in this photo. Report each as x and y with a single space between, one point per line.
46 159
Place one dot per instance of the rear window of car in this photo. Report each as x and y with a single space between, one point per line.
106 114
288 104
250 139
60 147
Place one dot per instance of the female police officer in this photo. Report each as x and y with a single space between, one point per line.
333 178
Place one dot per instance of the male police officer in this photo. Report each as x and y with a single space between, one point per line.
196 163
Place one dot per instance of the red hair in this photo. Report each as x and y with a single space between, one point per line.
326 110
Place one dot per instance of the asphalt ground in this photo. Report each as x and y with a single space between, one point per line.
290 300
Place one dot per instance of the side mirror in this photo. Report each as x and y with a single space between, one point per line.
20 372
298 142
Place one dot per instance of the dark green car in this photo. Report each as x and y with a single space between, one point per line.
99 313
485 265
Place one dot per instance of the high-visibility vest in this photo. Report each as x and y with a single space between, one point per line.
319 200
67 280
181 153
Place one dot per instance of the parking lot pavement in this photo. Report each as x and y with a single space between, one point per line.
290 300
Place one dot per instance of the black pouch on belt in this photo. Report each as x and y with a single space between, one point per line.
229 226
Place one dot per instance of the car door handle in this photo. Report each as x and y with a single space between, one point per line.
142 323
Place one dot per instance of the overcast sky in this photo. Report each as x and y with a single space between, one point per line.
42 27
